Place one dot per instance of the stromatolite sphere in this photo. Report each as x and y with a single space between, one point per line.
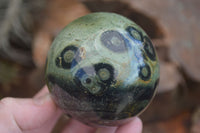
102 69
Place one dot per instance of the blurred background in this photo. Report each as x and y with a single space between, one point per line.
27 29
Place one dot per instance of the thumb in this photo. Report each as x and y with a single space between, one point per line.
36 115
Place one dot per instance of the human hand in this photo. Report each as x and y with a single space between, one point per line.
40 114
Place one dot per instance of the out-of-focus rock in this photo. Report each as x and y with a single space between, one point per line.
192 99
176 124
8 75
196 122
170 77
180 21
58 14
18 21
17 80
163 106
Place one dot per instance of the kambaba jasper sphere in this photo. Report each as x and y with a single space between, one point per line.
102 69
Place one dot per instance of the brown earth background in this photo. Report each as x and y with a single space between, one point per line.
27 29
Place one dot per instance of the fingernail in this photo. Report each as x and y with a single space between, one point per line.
42 99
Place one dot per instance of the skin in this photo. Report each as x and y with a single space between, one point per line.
39 115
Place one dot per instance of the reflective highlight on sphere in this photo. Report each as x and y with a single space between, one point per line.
102 69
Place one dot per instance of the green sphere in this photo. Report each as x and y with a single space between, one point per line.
102 69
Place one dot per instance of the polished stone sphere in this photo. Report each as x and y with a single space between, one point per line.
102 69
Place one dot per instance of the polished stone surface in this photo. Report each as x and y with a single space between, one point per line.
102 69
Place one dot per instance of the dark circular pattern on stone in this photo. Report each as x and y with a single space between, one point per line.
114 41
61 62
145 72
149 49
131 29
108 67
88 80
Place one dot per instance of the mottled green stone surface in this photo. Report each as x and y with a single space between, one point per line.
102 69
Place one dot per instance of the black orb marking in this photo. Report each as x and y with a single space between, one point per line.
68 58
88 80
149 49
114 41
102 66
145 72
136 34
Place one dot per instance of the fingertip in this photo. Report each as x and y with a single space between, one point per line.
138 123
106 130
134 125
74 126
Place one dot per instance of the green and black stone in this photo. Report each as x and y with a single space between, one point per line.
102 69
